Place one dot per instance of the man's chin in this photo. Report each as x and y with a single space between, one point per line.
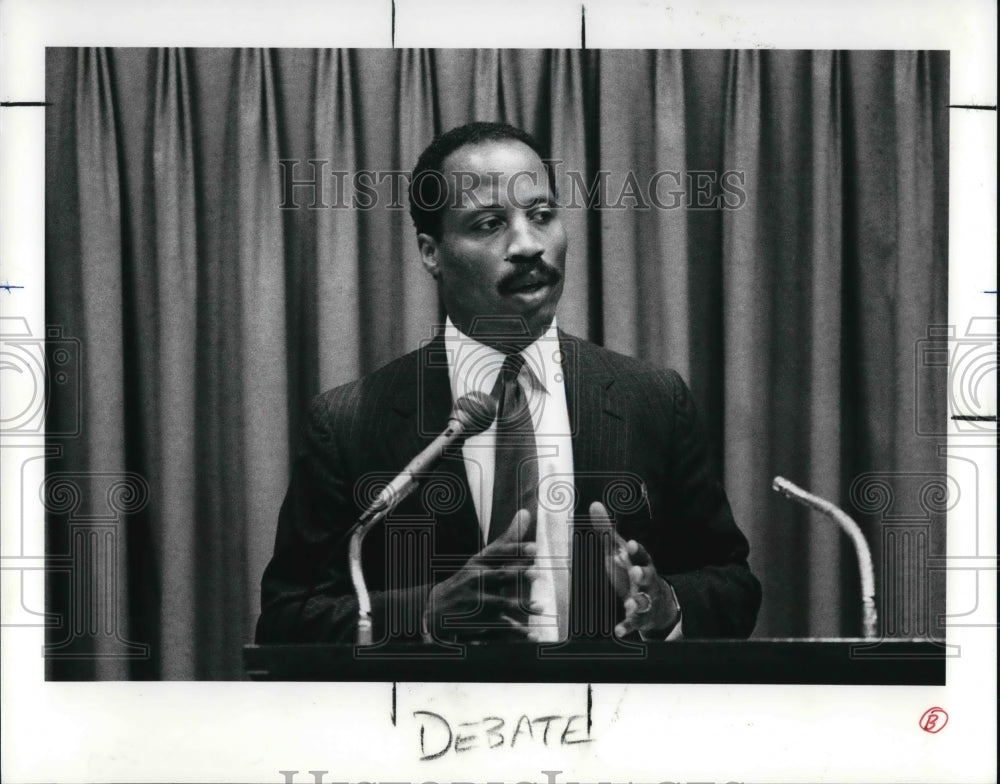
526 321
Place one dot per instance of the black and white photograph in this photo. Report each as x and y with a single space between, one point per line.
487 389
714 266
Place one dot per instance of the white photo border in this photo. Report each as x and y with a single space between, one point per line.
253 731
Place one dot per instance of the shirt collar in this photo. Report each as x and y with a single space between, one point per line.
474 366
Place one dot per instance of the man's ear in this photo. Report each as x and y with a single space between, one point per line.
428 254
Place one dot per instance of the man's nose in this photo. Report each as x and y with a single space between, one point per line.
525 240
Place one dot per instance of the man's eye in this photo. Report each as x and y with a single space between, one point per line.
542 216
488 225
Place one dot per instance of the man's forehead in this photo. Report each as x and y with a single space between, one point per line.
493 155
496 172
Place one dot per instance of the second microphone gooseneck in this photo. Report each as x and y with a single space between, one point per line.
840 517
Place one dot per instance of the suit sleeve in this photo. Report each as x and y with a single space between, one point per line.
717 593
306 591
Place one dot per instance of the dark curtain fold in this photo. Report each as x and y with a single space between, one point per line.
176 286
102 309
211 308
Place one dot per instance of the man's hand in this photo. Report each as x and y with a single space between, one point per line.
650 606
490 594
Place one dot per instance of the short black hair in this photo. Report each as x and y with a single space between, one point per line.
428 189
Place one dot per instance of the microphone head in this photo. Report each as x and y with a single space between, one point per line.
474 413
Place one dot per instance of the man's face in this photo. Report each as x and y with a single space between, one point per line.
502 251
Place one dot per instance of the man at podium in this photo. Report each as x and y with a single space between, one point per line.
585 507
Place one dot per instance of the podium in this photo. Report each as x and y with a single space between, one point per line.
840 661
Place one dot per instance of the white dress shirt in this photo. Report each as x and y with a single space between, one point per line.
473 366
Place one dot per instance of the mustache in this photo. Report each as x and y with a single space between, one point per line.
540 273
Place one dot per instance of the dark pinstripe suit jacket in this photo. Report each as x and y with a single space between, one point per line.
637 446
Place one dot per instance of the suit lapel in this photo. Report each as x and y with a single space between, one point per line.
423 402
599 447
596 420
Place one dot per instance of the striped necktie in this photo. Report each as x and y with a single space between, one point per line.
515 481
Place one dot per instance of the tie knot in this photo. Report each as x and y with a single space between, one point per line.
507 391
511 368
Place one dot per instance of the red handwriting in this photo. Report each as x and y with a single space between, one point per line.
933 720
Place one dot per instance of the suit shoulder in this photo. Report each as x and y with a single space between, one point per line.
626 368
368 391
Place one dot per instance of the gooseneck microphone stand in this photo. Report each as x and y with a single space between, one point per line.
851 528
472 414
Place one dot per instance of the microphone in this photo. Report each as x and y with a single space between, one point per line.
471 415
851 528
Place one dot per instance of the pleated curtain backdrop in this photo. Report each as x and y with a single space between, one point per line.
208 316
